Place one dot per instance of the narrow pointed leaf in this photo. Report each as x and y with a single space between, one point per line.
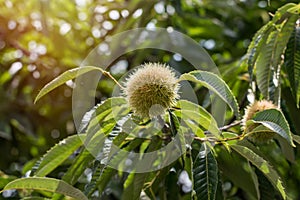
46 184
78 166
275 121
35 198
267 192
58 154
266 49
118 138
95 116
91 186
292 63
133 186
87 118
268 64
64 77
193 113
174 123
135 181
295 9
233 166
255 47
214 83
263 166
107 172
98 124
205 174
296 138
105 117
263 65
287 150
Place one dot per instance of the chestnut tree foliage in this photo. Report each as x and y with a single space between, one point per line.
256 46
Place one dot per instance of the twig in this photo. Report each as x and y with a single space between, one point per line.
235 123
216 140
223 128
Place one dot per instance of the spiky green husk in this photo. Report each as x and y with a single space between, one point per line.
251 110
151 89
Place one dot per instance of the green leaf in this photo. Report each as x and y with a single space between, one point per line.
58 154
292 63
268 63
188 167
220 193
46 184
115 138
174 123
173 190
91 186
295 9
287 149
255 47
283 11
263 69
255 179
100 122
296 138
78 166
263 166
205 174
100 111
104 117
104 178
106 172
35 198
133 186
266 49
233 166
267 192
193 114
284 33
99 116
154 180
109 141
87 118
274 120
135 181
64 77
5 179
176 128
214 83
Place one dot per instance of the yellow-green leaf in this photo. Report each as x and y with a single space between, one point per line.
64 77
46 184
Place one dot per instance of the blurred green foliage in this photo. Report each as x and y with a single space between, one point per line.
41 39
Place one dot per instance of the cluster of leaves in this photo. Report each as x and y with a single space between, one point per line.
38 41
218 157
41 39
202 169
203 166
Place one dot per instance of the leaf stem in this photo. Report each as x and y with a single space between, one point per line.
106 73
